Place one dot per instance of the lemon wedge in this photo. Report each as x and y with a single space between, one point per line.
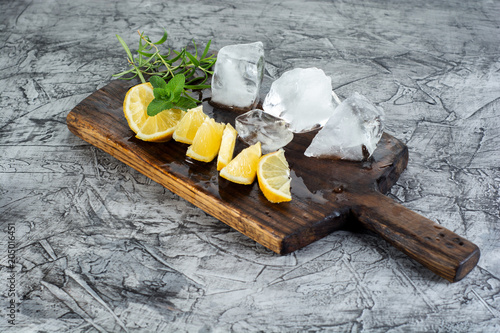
189 125
273 175
158 128
243 168
206 142
226 147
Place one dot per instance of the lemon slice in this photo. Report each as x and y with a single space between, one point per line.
206 142
159 128
189 124
226 147
243 168
273 174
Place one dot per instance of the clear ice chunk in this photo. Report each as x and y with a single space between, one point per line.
256 125
355 123
301 97
238 75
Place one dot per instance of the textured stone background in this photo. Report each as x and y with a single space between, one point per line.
101 248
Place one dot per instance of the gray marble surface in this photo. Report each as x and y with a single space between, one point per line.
101 248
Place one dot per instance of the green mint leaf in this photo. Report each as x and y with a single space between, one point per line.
176 95
156 106
162 94
185 103
158 82
176 85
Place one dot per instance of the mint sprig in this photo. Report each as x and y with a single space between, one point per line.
171 95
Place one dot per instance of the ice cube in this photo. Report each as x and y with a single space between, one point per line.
238 75
256 125
355 123
302 97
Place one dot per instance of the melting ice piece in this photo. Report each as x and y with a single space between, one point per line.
302 97
238 75
256 125
356 123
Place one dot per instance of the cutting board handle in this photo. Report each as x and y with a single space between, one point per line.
437 248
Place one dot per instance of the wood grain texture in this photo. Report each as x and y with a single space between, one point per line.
437 248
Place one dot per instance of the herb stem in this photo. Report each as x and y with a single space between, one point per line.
168 73
169 69
149 61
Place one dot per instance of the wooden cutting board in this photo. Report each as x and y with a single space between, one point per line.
327 195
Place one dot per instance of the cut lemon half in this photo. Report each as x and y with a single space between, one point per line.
226 147
189 124
206 142
243 168
159 128
273 175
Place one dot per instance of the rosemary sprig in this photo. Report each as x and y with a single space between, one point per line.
151 61
171 73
